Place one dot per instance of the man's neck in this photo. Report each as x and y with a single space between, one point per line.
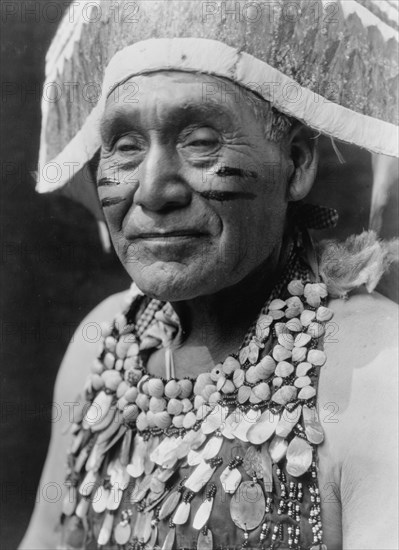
217 324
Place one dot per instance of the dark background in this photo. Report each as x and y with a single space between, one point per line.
53 271
53 268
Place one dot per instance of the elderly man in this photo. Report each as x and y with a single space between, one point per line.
218 412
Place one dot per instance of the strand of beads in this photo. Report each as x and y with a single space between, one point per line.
281 382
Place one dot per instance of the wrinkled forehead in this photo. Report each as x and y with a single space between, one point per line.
173 77
178 93
174 83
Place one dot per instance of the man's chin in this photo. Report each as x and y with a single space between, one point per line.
166 292
165 283
162 282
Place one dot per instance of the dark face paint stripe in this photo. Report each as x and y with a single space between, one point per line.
107 182
227 195
228 171
111 201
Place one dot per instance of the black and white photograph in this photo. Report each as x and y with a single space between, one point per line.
199 274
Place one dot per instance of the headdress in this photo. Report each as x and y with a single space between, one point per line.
332 65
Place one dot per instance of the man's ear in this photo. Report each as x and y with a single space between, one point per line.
305 158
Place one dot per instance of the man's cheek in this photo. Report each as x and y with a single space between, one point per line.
112 168
130 255
121 246
115 215
229 250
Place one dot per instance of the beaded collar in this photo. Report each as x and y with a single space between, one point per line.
150 454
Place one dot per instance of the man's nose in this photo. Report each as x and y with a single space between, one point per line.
161 187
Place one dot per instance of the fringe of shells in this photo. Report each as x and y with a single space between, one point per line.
256 400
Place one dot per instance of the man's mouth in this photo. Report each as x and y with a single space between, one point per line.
171 234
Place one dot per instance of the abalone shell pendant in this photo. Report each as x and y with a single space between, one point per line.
100 499
170 504
169 540
247 507
181 515
122 532
299 456
203 514
230 479
205 540
200 476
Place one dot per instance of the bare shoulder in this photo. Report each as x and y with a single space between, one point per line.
361 345
357 400
372 318
84 346
71 377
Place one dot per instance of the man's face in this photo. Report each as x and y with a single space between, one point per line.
193 193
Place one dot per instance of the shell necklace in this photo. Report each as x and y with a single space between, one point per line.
159 427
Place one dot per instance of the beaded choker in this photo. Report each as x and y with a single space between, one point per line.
159 461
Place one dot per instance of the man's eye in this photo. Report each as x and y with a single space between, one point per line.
202 138
128 144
